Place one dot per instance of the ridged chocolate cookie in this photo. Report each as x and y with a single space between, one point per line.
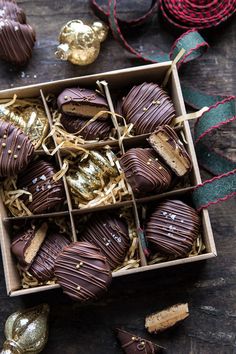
38 180
110 234
144 172
82 102
147 106
16 41
96 130
172 227
82 271
16 150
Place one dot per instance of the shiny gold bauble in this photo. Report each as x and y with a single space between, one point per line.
80 43
26 331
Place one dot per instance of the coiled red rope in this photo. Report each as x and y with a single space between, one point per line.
197 14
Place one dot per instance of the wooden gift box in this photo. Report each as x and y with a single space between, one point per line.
116 80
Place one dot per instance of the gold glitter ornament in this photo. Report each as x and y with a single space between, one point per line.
80 43
26 331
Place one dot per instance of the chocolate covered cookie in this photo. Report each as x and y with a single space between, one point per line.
82 102
167 144
11 11
82 271
110 234
144 172
147 106
16 41
42 267
26 244
172 228
38 180
132 344
16 150
96 130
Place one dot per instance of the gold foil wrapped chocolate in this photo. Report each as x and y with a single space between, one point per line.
26 331
80 43
31 119
94 179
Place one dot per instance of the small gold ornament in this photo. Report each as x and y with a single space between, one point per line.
26 331
80 43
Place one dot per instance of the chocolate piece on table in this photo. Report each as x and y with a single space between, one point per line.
16 150
43 264
147 106
26 244
82 102
82 271
110 234
11 11
144 172
162 320
132 344
16 41
96 130
172 228
38 180
167 144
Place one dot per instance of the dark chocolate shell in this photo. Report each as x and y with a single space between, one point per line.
16 42
9 10
16 150
43 265
82 271
111 235
82 102
147 106
38 180
144 172
133 344
97 130
172 228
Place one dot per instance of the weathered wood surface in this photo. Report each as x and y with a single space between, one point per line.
210 287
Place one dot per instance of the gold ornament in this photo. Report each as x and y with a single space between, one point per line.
26 331
80 43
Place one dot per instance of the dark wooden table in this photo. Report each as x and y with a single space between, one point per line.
210 287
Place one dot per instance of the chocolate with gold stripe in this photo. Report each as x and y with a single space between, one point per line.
147 106
82 271
172 227
110 234
144 172
38 180
16 150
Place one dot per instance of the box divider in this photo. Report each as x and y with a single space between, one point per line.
59 160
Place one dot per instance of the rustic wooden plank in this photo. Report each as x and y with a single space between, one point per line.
209 287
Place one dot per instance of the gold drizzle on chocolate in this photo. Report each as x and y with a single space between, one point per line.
91 279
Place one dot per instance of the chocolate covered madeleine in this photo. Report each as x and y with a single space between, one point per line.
42 267
16 150
38 180
16 41
110 234
147 106
133 344
172 228
144 172
82 271
96 130
167 144
11 11
26 244
82 102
